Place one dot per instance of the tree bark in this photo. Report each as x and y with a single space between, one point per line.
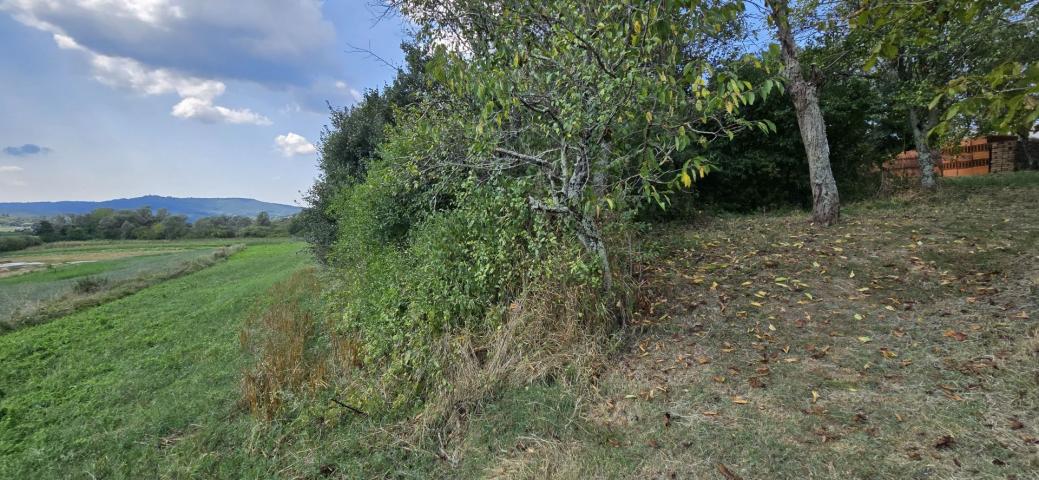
826 206
921 124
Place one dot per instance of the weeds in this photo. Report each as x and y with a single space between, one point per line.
89 285
294 352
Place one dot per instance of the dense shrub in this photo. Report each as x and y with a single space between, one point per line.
90 284
408 277
10 243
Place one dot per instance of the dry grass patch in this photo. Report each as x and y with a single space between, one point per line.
294 349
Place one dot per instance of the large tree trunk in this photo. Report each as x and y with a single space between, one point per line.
826 205
921 124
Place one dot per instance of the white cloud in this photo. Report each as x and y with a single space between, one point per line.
277 42
354 93
130 74
148 11
292 144
10 169
204 111
197 94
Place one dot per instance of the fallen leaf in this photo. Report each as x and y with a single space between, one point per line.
865 339
722 469
959 336
815 396
739 400
946 441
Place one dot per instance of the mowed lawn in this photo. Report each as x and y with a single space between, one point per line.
99 394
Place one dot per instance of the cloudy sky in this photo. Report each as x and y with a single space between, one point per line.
209 98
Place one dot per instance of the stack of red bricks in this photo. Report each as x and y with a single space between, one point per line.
1004 154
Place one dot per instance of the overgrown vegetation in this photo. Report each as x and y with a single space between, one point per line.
519 281
525 148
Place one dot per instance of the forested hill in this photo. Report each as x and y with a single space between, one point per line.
193 208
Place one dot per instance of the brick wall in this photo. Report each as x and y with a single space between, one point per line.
1004 156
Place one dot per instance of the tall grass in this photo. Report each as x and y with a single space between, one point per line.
294 351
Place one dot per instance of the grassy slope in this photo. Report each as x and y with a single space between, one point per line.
902 343
96 393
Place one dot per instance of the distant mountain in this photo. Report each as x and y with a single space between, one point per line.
193 208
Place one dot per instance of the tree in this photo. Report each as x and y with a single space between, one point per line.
43 229
947 57
825 199
263 219
597 103
173 227
348 145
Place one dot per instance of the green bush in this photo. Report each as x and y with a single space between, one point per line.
92 284
409 276
10 243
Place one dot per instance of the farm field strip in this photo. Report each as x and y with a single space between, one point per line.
92 394
29 291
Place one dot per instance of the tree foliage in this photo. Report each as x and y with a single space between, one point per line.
144 224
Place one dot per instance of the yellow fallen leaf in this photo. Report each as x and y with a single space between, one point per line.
815 396
865 339
739 400
756 304
858 316
771 327
851 275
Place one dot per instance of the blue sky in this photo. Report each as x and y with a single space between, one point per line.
208 98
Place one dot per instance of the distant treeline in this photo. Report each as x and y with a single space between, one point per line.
144 224
11 242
